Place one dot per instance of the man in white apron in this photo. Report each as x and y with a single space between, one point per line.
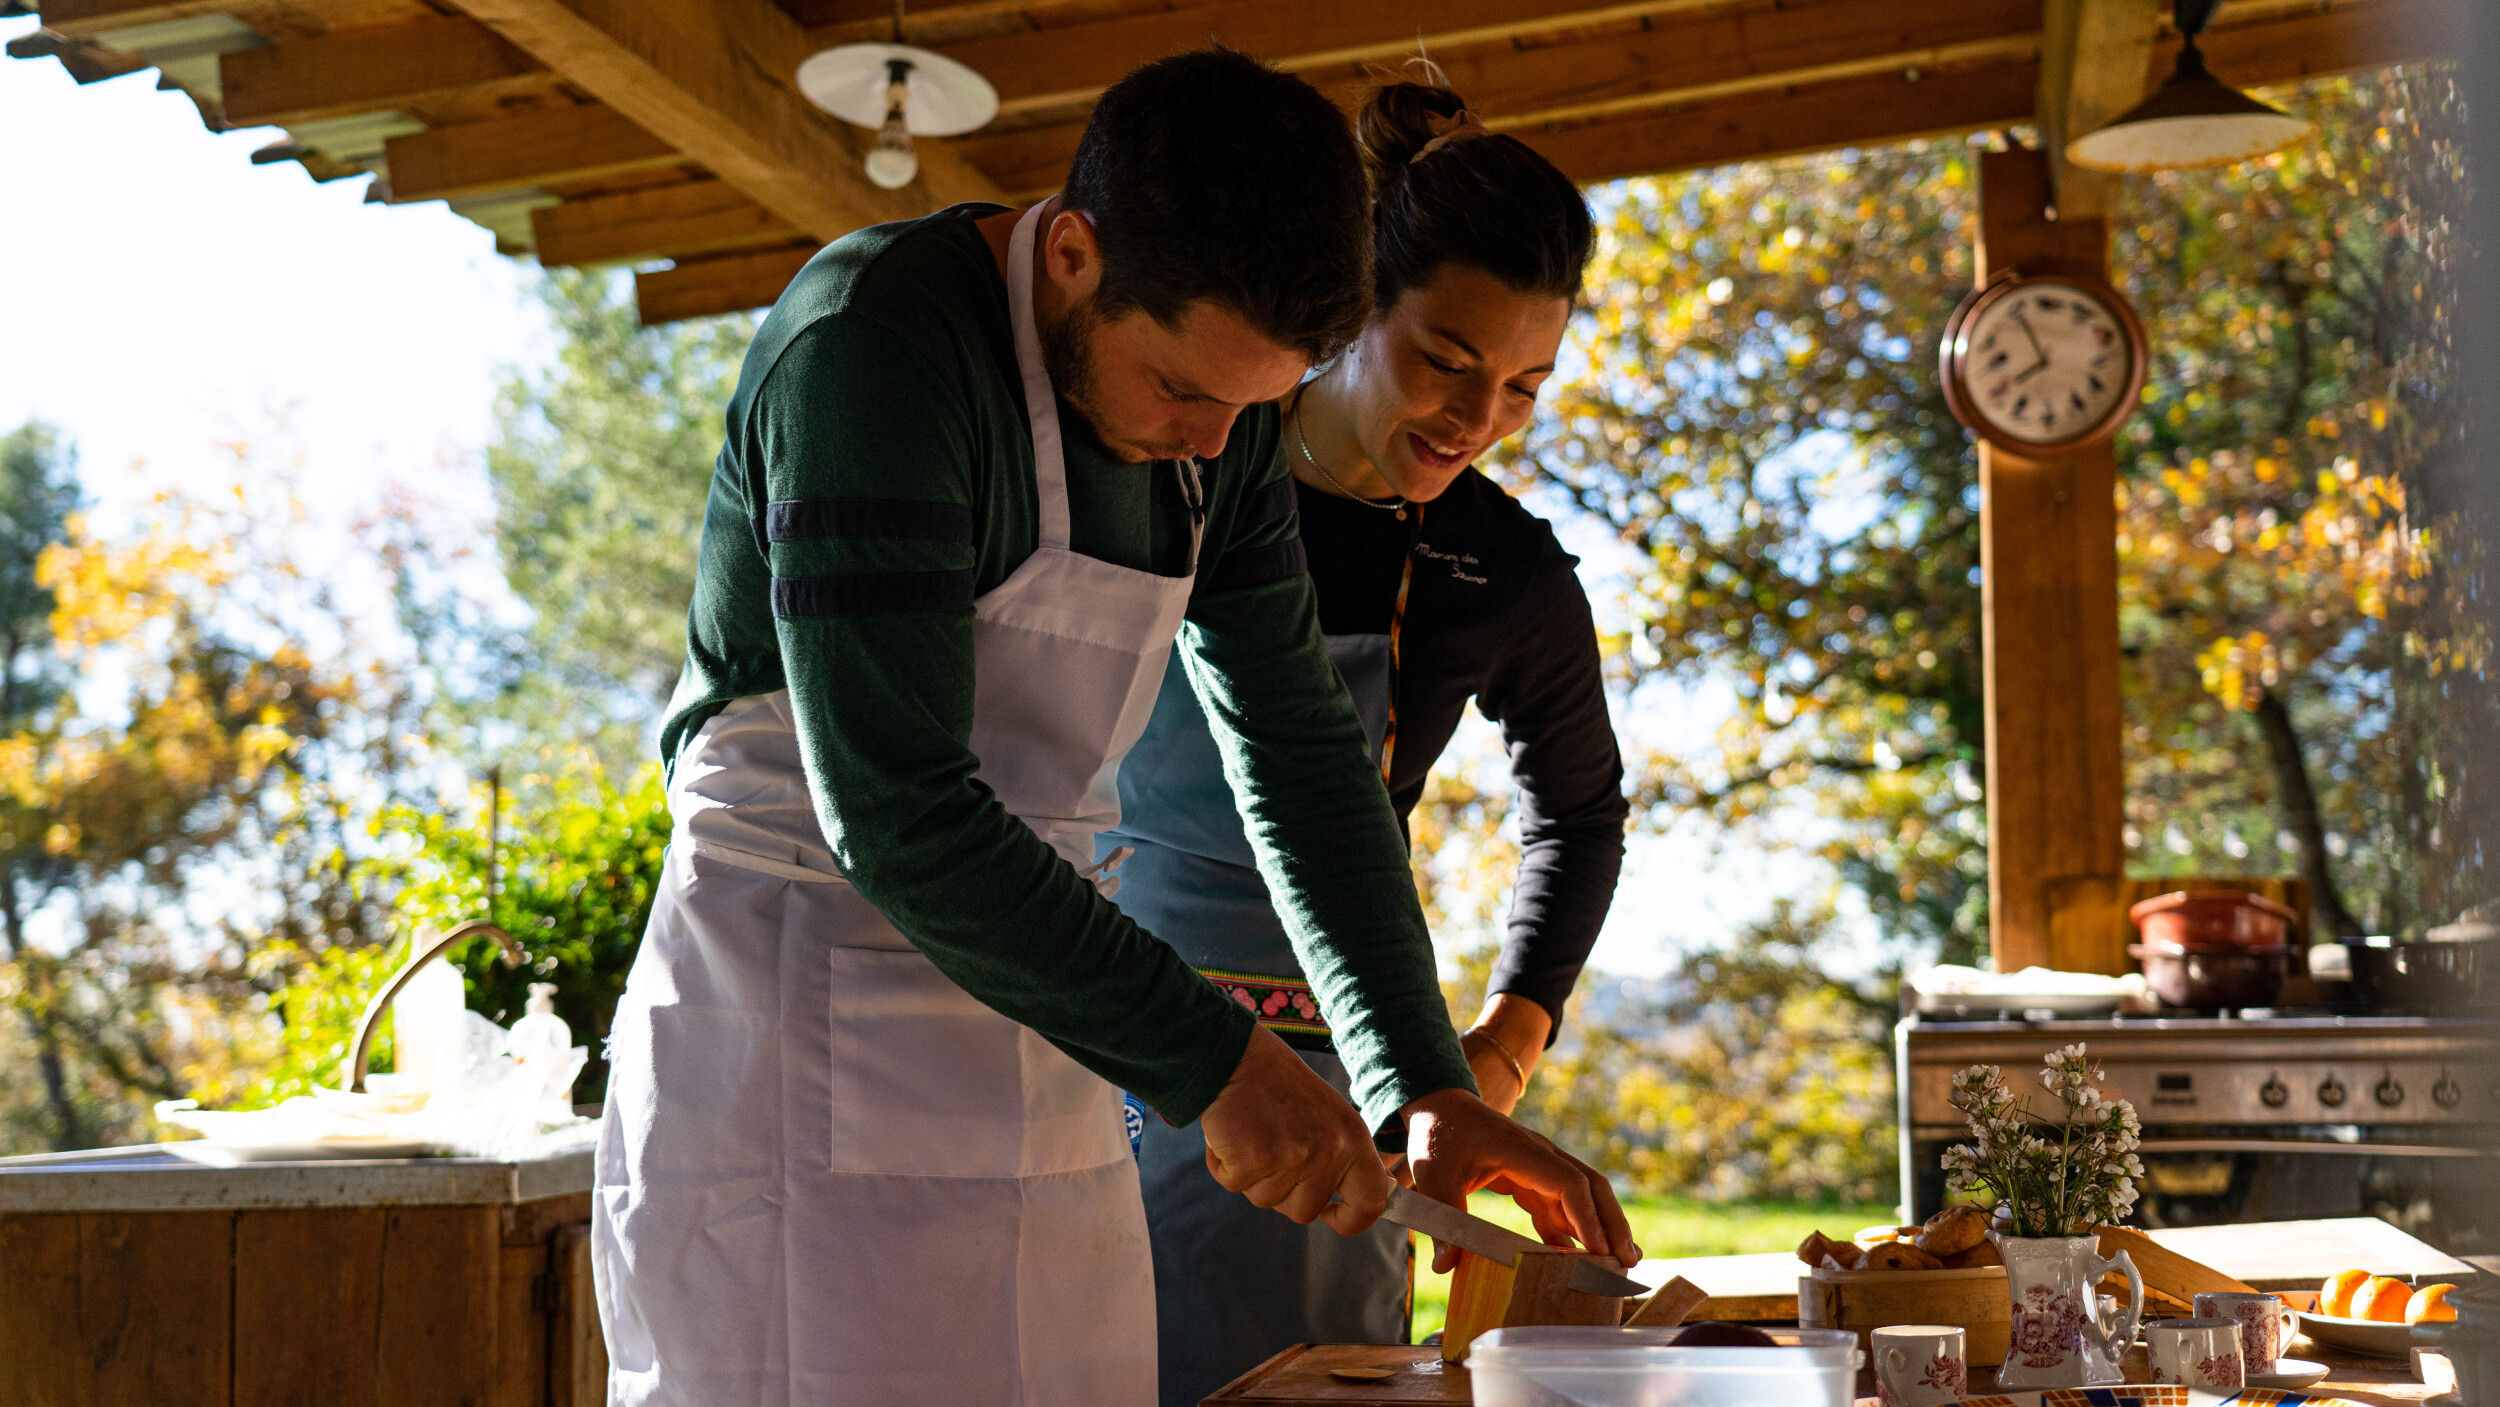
864 1139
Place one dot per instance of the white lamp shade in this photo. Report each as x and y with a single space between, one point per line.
2194 119
946 97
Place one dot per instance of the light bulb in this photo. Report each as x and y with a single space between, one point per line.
891 161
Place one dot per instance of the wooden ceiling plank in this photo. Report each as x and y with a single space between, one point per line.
1073 64
1854 112
574 142
660 222
727 284
831 22
713 78
2313 43
369 70
1724 55
85 19
2096 58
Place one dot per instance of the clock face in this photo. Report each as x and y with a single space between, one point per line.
2047 362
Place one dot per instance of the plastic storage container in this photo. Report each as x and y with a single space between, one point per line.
1594 1367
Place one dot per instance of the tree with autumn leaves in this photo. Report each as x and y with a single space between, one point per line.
166 738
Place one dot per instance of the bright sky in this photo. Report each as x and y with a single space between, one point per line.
165 295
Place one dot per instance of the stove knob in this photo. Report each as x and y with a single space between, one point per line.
2331 1094
2275 1093
2447 1094
2389 1094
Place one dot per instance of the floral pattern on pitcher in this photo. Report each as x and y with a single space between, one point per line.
2048 1327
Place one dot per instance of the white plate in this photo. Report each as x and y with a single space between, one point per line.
2291 1374
320 1150
2375 1337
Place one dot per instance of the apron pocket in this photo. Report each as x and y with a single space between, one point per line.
925 1081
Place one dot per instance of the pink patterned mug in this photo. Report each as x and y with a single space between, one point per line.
2196 1352
1920 1365
2265 1323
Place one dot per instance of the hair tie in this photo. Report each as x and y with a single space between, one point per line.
1460 126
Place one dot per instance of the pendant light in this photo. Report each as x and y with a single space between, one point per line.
2194 119
901 91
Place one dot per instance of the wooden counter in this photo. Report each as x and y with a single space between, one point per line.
132 1276
2272 1255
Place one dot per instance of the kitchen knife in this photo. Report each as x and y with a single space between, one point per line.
1442 1222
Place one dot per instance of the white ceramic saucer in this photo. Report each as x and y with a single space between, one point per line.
2288 1373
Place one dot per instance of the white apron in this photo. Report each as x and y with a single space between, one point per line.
828 1175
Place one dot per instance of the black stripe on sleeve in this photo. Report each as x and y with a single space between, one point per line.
872 594
1262 506
1257 566
801 519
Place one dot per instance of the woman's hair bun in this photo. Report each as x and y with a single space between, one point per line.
1397 119
1487 201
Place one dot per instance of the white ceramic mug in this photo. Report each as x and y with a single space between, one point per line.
2265 1323
1920 1365
2196 1352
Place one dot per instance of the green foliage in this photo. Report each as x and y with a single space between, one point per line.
600 466
2293 556
1757 1075
1760 418
575 869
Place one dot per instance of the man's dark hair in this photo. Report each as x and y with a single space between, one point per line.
1488 202
1209 175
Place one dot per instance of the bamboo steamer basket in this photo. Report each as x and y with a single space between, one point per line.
1866 1300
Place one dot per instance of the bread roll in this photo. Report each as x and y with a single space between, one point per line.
1953 1231
1977 1257
1899 1255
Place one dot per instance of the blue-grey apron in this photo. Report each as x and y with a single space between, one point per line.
1235 1284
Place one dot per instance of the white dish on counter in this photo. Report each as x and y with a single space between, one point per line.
2287 1374
2376 1337
210 1153
1948 989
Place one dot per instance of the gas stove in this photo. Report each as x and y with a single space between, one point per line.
2261 1115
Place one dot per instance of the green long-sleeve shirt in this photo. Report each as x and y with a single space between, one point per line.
876 477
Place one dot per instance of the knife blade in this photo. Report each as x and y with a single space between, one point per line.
1442 1222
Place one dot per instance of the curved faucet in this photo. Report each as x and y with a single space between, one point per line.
426 952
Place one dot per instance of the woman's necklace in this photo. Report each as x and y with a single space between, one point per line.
1303 439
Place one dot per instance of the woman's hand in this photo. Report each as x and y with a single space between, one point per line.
1457 1145
1503 1048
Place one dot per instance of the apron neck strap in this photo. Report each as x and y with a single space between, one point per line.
1041 402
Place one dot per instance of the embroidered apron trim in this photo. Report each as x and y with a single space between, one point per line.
1282 1004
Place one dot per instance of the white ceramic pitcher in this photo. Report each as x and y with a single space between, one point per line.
2058 1337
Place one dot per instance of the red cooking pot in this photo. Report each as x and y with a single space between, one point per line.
2194 919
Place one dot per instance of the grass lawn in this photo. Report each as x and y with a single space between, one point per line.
1666 1228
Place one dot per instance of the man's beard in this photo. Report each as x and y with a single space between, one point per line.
1068 358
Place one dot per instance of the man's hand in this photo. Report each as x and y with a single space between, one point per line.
1280 1136
1456 1145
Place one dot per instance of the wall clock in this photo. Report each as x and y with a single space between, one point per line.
2043 365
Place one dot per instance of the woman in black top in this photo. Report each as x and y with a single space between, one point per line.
1434 586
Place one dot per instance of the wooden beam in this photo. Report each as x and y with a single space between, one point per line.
728 283
1072 64
658 222
369 70
1860 112
1730 55
571 142
1730 115
832 22
2095 62
2314 42
713 79
2049 639
85 19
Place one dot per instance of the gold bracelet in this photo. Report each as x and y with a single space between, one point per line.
1507 1058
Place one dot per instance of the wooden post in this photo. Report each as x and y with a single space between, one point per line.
2049 612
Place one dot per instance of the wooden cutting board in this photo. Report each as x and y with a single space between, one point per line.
1302 1376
